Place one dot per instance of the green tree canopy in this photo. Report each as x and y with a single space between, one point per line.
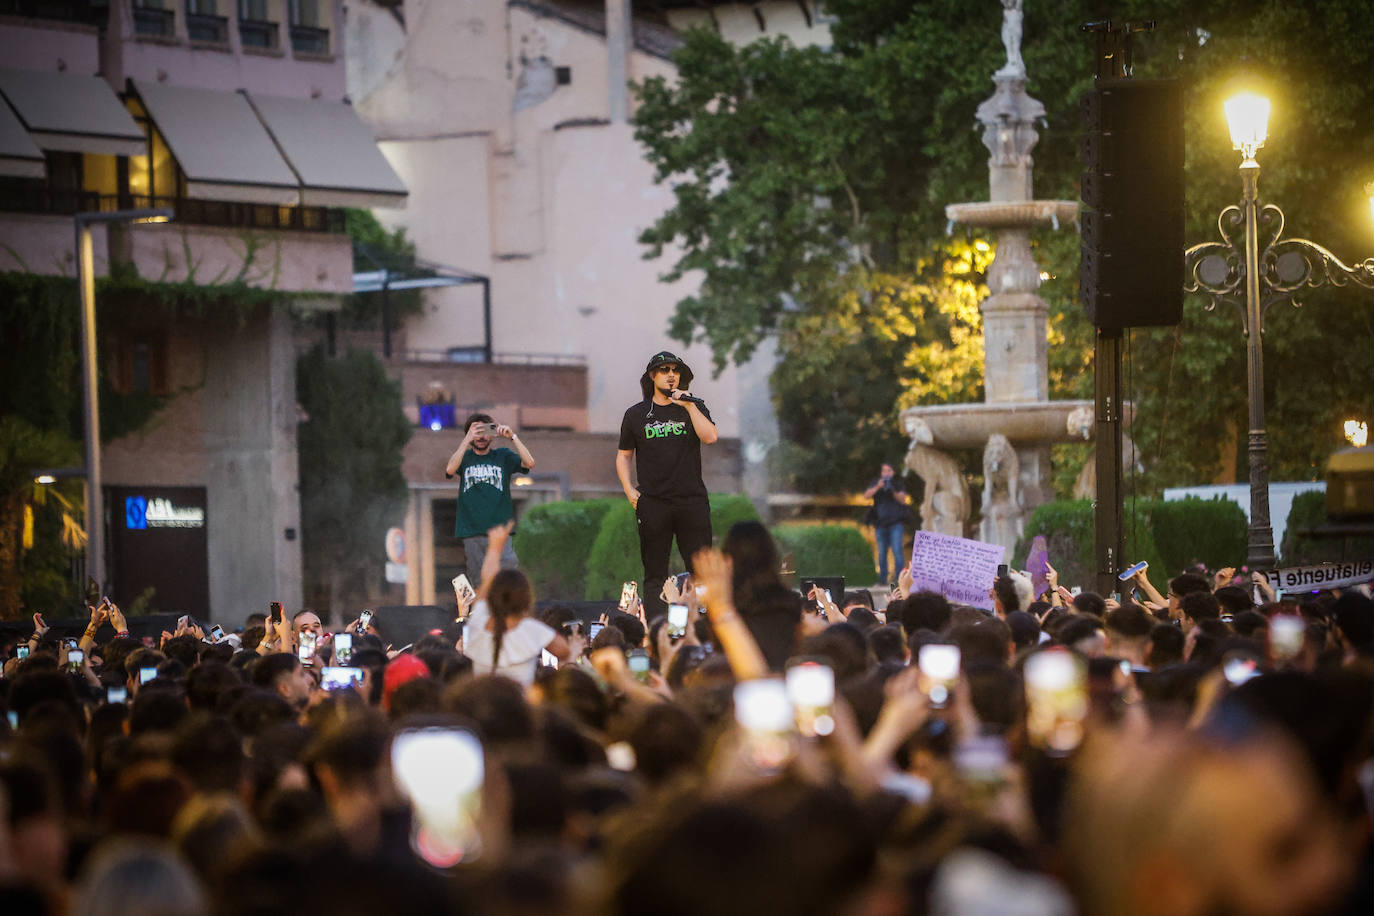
352 487
809 187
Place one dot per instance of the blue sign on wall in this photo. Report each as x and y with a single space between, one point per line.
136 513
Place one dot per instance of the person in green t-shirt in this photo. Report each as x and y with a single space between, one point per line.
484 475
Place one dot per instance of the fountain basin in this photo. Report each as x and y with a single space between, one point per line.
1017 214
1025 423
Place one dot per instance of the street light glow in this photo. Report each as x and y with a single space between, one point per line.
1357 432
48 479
1247 115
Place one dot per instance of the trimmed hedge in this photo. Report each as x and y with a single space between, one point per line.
828 550
1068 529
614 555
554 541
1172 536
1309 511
1193 530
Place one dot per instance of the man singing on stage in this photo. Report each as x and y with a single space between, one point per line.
663 434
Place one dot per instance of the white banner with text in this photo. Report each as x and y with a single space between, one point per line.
1327 575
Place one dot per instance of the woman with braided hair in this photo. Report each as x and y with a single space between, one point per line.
500 635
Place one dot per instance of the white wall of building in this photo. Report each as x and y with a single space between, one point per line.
548 200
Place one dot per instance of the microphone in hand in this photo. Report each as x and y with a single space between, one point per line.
679 395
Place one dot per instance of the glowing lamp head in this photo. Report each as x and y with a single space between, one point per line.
1247 115
1357 433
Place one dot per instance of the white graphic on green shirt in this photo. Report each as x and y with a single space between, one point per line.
483 473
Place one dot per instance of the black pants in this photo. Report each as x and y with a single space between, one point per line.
659 519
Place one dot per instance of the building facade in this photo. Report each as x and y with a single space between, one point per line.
510 122
231 114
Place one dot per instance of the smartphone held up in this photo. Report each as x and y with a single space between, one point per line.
939 666
463 591
677 621
764 714
811 690
1056 700
442 772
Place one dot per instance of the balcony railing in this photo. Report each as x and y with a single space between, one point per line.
207 29
25 198
477 356
17 198
307 39
157 23
255 34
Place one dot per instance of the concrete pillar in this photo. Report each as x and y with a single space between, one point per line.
411 526
425 547
252 474
1015 347
619 41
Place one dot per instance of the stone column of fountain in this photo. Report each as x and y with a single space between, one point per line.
1017 422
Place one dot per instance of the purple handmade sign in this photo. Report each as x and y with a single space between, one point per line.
960 569
1038 565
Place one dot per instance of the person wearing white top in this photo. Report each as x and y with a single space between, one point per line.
521 645
499 635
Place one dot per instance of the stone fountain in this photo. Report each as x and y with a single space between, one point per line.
1016 423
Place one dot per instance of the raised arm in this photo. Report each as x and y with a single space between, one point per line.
491 563
705 429
743 653
525 457
98 615
457 457
1143 580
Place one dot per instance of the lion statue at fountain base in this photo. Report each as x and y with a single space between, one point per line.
945 506
1003 515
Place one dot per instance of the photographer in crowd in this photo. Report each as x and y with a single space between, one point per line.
888 517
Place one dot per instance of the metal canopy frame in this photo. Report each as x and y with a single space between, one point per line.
419 274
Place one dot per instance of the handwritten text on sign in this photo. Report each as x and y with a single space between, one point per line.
960 569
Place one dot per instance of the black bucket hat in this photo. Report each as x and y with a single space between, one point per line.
663 358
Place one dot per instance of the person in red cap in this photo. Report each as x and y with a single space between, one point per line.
662 436
400 670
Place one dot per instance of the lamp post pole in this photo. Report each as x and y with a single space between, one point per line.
1259 551
1271 269
90 405
90 392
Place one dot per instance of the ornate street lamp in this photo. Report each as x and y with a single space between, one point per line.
1234 268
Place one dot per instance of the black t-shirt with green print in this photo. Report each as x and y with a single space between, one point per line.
667 450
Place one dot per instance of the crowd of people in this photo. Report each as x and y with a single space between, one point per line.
1193 753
